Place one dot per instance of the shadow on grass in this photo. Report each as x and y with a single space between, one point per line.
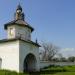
42 72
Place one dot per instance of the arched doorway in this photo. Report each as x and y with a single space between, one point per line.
30 63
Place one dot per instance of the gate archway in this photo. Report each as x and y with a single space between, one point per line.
30 63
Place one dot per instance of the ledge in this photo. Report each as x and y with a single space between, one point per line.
15 39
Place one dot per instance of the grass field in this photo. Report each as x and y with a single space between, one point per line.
58 70
61 73
7 72
51 70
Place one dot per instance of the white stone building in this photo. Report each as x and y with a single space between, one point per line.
18 52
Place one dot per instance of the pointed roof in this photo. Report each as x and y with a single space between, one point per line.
19 23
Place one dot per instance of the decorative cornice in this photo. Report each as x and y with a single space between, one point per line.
15 39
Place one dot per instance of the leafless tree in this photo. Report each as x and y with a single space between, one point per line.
49 51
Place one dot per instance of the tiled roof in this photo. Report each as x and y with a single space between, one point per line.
20 23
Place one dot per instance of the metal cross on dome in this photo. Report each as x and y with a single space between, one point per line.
20 1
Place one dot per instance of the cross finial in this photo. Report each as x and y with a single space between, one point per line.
19 1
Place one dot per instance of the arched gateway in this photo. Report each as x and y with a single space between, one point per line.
30 63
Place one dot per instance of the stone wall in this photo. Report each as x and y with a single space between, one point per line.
46 63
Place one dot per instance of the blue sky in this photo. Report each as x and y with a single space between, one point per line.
53 20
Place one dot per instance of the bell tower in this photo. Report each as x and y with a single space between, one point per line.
18 28
18 52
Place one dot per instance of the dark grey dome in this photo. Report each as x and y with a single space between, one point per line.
19 7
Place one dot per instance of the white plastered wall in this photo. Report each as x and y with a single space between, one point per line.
18 31
25 49
9 53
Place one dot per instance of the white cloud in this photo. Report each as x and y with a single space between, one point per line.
68 49
68 52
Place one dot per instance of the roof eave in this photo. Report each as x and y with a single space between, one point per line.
6 25
14 39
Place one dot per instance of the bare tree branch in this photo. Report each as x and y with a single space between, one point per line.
50 51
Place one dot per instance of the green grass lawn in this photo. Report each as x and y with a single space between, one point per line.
51 70
61 73
7 72
58 70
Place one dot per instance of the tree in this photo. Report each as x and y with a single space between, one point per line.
71 59
55 59
49 51
63 59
